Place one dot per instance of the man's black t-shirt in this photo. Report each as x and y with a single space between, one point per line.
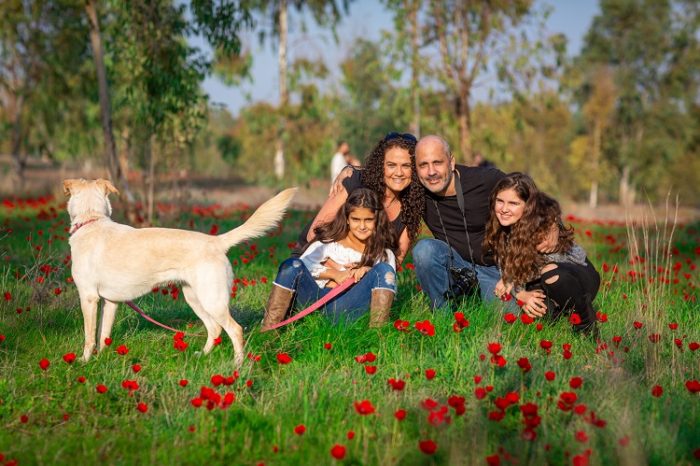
477 183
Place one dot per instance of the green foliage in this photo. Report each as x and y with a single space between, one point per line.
221 23
642 41
374 104
552 116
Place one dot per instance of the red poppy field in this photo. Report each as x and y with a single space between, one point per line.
482 386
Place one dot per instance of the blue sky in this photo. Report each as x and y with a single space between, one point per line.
366 19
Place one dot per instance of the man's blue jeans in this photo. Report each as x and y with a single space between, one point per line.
431 257
350 305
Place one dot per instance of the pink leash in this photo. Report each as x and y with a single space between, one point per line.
153 321
321 302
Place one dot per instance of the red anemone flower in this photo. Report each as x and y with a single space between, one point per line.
428 447
338 452
364 407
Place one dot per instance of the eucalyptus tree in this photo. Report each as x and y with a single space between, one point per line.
468 36
408 42
273 21
41 51
373 101
651 46
155 72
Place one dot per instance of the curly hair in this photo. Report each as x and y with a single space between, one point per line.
383 237
412 198
515 246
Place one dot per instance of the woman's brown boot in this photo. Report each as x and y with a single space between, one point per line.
380 307
277 306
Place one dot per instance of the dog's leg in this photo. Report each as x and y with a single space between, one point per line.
213 329
211 287
109 309
213 296
88 304
234 331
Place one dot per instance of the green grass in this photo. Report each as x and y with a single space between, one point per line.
320 386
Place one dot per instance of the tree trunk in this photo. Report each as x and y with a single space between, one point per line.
282 61
463 119
19 162
626 192
595 157
593 196
151 178
413 5
111 158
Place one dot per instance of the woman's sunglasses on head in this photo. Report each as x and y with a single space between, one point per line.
393 135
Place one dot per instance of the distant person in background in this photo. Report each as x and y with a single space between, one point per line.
342 159
481 161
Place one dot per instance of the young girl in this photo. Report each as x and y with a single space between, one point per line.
540 264
357 243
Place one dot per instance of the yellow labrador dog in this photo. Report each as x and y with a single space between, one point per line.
120 263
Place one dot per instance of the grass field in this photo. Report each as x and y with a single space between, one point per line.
498 391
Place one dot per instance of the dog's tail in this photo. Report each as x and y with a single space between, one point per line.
267 216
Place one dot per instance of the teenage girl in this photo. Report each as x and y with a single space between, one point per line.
540 264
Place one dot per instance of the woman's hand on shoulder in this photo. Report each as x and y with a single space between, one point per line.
329 210
337 185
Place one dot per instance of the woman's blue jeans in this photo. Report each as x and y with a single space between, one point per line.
350 305
431 257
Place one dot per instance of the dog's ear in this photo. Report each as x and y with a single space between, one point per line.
68 185
107 186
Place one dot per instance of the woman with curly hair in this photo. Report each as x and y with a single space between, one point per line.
540 264
389 171
357 243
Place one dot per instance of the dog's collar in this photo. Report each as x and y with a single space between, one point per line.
78 226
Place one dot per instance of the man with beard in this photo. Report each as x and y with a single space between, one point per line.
458 227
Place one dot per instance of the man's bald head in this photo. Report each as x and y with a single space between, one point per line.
434 143
434 165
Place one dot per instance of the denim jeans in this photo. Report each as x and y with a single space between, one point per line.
350 305
431 257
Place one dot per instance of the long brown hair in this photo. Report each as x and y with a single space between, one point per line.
383 237
515 246
413 197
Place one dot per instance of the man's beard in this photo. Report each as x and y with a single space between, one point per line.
446 184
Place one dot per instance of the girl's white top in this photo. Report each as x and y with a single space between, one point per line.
317 253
